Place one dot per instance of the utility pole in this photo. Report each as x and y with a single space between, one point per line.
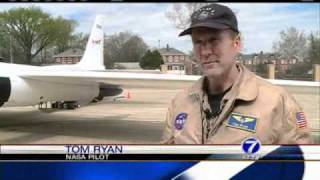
159 44
11 50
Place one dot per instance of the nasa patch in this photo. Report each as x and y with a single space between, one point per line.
180 120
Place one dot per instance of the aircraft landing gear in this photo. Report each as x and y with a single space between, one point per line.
70 105
58 105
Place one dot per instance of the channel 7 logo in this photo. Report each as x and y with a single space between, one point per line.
250 147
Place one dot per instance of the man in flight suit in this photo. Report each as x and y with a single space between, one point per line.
229 103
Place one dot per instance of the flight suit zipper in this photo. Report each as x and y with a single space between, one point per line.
207 119
221 118
203 121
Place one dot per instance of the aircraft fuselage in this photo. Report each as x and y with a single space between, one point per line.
17 91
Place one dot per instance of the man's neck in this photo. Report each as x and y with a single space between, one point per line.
222 83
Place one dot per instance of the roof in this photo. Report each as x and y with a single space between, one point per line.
262 56
170 51
73 52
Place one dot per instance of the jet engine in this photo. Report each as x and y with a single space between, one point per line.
106 90
5 89
26 92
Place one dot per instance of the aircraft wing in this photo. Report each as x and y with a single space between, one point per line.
87 77
79 77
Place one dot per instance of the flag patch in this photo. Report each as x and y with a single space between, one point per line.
301 120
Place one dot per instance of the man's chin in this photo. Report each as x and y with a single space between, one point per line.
212 72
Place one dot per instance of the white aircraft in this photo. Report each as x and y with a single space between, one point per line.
68 85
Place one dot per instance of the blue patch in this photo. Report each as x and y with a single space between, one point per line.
243 122
180 120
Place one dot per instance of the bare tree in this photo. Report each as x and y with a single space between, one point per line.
291 43
123 47
180 13
314 48
79 40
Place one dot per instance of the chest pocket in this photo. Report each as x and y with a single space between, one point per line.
234 129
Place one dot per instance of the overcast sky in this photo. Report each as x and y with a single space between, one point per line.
259 23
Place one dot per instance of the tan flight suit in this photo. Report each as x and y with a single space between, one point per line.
252 108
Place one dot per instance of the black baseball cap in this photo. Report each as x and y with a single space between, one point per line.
214 16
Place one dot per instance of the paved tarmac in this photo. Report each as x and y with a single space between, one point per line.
137 120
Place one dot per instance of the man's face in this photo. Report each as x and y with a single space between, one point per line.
215 50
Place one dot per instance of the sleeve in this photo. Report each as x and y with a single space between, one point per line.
295 124
168 132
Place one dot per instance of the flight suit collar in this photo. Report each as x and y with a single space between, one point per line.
245 86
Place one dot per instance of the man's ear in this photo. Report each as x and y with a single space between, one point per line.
237 42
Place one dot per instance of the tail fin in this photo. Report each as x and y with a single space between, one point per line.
92 58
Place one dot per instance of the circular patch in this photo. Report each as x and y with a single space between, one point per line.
180 120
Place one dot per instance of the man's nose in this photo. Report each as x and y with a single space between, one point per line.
206 50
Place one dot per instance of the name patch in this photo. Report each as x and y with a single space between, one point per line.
244 122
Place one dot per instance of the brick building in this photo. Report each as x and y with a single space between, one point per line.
174 60
70 56
283 64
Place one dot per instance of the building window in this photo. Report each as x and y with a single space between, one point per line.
182 68
294 61
169 67
175 67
